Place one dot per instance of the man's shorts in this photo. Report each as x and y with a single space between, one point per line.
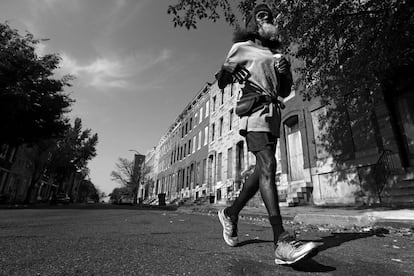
257 141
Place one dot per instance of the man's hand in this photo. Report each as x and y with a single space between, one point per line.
283 66
241 74
231 72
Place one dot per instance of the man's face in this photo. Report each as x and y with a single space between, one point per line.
263 17
266 29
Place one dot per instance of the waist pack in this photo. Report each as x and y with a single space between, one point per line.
250 103
246 104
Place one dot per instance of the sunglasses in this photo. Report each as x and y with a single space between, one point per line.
262 15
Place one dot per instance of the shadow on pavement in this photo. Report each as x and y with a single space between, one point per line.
310 265
335 239
306 265
246 242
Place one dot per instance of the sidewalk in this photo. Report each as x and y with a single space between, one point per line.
334 216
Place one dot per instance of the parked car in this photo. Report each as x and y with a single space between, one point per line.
62 198
90 201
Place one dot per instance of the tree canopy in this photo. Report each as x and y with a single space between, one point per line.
32 101
345 46
87 190
73 151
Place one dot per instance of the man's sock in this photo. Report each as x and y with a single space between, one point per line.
277 226
233 218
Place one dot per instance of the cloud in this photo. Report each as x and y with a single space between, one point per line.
116 72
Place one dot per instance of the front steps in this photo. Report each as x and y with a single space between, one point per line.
400 192
299 194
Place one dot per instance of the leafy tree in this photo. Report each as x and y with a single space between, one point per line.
118 192
40 155
32 101
73 151
87 190
347 46
125 175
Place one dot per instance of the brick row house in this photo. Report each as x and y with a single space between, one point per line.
181 154
364 157
18 170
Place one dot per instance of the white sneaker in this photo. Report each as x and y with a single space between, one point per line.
289 250
229 229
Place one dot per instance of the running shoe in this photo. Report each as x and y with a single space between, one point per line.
229 229
289 250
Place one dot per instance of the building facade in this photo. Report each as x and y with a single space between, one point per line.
182 151
325 155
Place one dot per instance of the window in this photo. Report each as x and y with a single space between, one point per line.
198 175
194 144
213 129
199 139
333 133
191 176
219 162
191 123
207 107
222 97
204 172
229 162
189 146
319 130
405 109
205 135
187 182
221 127
231 119
201 115
364 134
214 103
195 119
3 151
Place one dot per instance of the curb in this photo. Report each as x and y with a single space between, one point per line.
335 220
368 219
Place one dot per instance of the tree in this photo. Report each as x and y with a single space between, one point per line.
40 155
73 151
347 46
124 175
117 193
87 190
32 102
64 157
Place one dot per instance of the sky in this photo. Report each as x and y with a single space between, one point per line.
134 71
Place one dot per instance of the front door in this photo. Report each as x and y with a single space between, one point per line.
294 148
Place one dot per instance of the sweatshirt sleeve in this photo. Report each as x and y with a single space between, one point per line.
224 76
232 56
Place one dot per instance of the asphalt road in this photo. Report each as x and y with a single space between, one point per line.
142 242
